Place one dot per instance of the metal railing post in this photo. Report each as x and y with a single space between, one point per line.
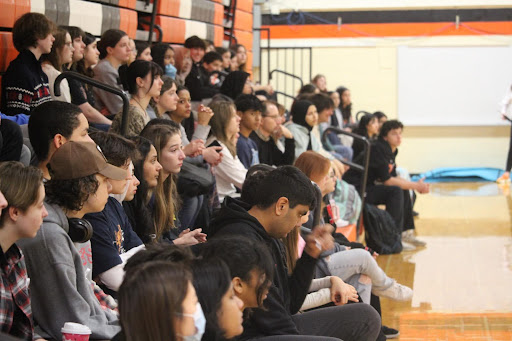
79 77
363 168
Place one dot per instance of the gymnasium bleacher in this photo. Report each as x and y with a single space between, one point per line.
177 19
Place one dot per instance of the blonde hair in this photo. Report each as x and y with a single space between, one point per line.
166 193
223 112
291 244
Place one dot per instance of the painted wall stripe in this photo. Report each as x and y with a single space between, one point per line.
387 30
396 16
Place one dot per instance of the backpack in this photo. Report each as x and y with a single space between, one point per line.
194 179
381 232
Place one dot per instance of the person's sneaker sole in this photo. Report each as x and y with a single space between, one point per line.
390 333
397 292
407 247
414 241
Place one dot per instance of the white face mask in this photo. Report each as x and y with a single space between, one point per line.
199 323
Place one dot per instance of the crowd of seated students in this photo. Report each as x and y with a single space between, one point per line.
195 224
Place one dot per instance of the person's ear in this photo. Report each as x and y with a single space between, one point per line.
238 285
59 140
140 82
14 213
281 206
109 50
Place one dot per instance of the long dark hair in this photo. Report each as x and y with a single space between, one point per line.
347 111
166 195
155 290
211 281
158 53
137 209
243 256
362 128
79 66
141 68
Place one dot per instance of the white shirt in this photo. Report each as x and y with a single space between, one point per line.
229 174
53 73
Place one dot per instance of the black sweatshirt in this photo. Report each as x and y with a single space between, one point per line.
271 155
199 85
287 293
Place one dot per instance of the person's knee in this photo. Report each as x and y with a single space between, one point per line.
372 318
363 279
361 256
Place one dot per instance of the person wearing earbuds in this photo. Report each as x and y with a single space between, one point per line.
59 257
114 241
21 214
278 205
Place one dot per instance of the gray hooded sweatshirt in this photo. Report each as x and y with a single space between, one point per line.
59 288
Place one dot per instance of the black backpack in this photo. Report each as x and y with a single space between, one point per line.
381 232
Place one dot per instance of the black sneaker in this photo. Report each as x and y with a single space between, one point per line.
390 332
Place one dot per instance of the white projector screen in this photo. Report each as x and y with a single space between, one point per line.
452 86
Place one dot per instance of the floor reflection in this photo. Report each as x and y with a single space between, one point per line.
464 275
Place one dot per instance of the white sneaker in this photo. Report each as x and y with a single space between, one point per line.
409 237
407 247
396 291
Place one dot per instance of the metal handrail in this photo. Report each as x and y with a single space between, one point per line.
284 94
363 168
287 74
152 23
268 47
363 112
155 27
231 37
77 76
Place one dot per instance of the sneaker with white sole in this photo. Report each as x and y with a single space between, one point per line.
396 291
407 247
390 333
409 237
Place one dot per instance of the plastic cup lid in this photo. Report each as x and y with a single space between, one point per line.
75 328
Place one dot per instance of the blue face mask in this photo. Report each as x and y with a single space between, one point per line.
170 71
199 323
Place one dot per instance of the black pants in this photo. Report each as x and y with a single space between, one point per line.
350 322
11 141
398 203
509 156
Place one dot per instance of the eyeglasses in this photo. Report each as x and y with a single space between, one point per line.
275 117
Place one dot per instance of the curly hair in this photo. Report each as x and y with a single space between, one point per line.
71 194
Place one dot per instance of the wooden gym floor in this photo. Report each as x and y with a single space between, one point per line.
462 279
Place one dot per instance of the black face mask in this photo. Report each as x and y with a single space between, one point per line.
80 230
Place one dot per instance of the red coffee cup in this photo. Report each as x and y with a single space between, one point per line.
75 332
